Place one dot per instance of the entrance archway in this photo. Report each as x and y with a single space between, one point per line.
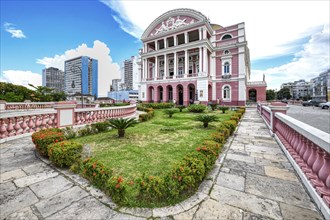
170 93
151 94
179 90
209 93
253 95
192 93
160 94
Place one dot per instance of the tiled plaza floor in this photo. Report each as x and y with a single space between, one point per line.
251 180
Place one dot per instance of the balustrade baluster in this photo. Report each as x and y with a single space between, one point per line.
317 165
324 177
24 125
31 123
38 122
3 128
10 128
17 127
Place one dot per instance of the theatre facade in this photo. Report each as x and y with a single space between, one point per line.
185 58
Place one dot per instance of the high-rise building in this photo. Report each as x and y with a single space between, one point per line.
185 58
81 76
53 78
128 73
320 85
116 84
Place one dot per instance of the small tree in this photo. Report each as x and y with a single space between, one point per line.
170 112
206 119
213 106
121 124
223 109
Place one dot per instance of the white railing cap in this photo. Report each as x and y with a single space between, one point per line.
5 115
320 138
103 108
30 103
266 108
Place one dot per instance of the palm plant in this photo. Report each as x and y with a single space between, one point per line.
170 112
223 109
181 107
206 119
121 124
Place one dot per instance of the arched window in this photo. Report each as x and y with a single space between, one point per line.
227 36
226 68
226 52
226 92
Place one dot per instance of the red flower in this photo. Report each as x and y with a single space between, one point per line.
204 148
198 149
180 178
120 179
131 182
94 174
94 165
118 185
56 140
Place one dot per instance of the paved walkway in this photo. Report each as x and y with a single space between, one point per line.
251 180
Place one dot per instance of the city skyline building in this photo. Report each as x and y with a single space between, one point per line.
81 76
186 58
130 73
53 78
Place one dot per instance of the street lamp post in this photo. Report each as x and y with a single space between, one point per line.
73 84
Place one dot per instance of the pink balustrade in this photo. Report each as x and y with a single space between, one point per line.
93 115
265 113
309 148
23 123
29 105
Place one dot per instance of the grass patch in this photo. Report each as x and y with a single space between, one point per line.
146 148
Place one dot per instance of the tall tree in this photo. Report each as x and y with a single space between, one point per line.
270 94
284 93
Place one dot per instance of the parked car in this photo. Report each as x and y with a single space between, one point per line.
312 103
325 105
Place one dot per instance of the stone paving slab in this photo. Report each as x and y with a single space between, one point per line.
25 213
29 180
11 175
51 205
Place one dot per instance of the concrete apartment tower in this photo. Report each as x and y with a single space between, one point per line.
131 73
53 78
81 76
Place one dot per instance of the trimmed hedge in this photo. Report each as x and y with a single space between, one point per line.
146 116
64 153
43 138
161 105
196 108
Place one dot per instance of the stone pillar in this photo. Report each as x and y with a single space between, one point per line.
175 40
165 66
2 105
175 65
156 68
144 68
200 59
165 43
65 113
276 107
186 40
156 45
186 63
205 60
200 34
165 94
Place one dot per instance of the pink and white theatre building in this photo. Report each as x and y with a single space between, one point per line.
186 58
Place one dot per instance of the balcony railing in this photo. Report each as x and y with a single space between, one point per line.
226 76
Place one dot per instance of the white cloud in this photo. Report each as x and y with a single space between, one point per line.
15 33
270 25
307 63
107 70
21 77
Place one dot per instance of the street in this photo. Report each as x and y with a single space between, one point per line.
314 116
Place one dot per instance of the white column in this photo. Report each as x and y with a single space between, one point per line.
205 60
186 63
165 43
156 67
144 68
175 65
200 60
175 40
186 37
204 33
200 34
156 45
165 66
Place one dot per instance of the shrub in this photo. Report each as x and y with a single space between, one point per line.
219 137
170 112
181 107
237 114
64 153
196 108
206 119
213 106
222 129
241 110
147 116
121 124
100 126
234 118
116 187
87 130
45 137
161 105
69 133
231 125
223 109
96 172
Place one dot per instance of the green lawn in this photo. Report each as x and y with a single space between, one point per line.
147 149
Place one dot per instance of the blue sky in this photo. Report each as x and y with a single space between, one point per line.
38 34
